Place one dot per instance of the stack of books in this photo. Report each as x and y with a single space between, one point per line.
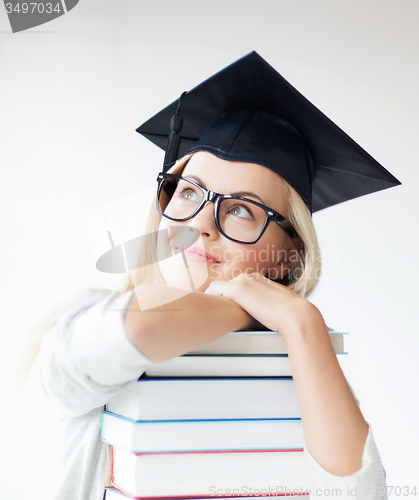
221 421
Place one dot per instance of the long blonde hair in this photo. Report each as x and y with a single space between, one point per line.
302 279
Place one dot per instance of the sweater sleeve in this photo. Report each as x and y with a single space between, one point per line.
88 358
367 483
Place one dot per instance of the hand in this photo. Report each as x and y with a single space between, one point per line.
269 303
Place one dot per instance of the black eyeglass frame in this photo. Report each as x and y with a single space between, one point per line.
216 198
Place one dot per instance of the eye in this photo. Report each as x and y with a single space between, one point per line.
188 194
241 211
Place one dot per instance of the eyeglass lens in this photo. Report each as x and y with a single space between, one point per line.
240 220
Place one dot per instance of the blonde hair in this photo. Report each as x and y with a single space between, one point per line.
306 273
148 270
302 279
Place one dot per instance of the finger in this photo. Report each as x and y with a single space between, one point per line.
262 278
243 276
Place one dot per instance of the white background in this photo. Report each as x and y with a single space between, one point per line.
72 93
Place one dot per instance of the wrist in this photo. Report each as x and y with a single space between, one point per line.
309 321
244 320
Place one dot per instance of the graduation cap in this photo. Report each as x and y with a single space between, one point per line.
248 112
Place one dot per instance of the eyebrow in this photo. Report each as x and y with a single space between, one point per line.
236 193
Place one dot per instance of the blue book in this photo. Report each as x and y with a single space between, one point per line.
145 436
207 399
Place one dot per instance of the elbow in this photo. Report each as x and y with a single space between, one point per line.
146 340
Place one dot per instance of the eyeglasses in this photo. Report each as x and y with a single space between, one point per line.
238 219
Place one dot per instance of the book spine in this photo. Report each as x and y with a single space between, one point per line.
112 476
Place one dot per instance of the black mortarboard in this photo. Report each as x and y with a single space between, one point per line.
248 112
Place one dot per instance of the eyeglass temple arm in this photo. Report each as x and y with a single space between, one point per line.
285 225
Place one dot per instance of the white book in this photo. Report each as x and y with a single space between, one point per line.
258 342
207 474
201 435
219 365
112 493
207 398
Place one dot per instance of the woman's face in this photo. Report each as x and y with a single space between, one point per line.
213 256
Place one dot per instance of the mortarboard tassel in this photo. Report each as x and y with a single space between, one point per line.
173 139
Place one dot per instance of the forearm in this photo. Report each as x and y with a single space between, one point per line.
180 325
334 428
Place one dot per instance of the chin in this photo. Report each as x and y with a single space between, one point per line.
193 278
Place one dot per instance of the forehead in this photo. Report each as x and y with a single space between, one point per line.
228 177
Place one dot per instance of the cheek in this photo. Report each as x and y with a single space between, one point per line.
246 258
259 257
273 246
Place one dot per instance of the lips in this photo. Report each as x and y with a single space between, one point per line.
195 253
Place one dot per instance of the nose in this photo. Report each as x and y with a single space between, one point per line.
204 221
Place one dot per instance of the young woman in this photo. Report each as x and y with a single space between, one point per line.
245 191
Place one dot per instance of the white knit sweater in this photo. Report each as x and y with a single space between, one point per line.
88 358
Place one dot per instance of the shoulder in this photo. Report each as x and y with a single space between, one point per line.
83 298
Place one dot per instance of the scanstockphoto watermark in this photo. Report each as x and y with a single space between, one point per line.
26 15
171 251
267 260
176 239
367 492
248 491
270 253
